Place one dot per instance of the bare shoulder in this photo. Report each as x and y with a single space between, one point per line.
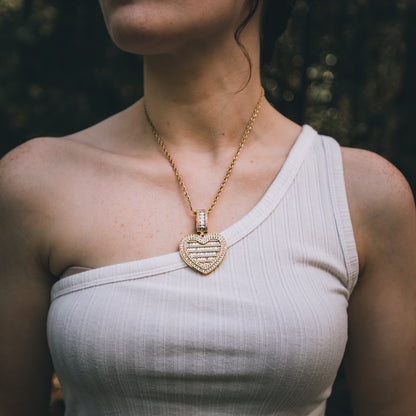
26 192
377 191
21 168
374 183
33 177
28 171
38 161
28 184
381 340
381 201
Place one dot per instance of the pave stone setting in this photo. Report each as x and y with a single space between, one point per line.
203 253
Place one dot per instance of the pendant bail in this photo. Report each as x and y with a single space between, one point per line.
201 221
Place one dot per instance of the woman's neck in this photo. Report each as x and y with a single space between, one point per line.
202 98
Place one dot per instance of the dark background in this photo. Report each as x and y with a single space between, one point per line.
346 67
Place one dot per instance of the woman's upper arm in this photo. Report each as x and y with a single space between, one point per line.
25 364
381 351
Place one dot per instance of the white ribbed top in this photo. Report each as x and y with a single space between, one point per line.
263 334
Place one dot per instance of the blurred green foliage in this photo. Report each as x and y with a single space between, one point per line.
346 67
59 70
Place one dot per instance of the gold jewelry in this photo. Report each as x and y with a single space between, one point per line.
203 252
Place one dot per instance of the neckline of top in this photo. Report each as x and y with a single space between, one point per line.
234 233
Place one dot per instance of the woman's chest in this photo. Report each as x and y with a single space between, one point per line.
253 332
113 218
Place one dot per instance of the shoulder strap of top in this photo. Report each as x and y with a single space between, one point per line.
338 194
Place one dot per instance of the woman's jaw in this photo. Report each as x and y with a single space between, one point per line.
195 73
149 27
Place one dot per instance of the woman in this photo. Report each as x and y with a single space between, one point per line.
133 326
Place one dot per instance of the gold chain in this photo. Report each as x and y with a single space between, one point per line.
247 131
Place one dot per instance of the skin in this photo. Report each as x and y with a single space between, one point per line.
105 195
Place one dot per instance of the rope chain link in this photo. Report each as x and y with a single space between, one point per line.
247 131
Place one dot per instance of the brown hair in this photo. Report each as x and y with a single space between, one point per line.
276 14
274 20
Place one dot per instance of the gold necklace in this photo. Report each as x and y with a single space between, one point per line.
204 251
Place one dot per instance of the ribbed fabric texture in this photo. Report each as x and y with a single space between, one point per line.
264 334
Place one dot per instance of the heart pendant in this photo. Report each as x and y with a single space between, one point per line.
203 253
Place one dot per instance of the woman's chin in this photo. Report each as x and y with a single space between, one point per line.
141 29
134 34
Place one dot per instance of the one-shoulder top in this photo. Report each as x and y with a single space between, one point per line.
264 334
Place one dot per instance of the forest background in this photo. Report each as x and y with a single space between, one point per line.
346 67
